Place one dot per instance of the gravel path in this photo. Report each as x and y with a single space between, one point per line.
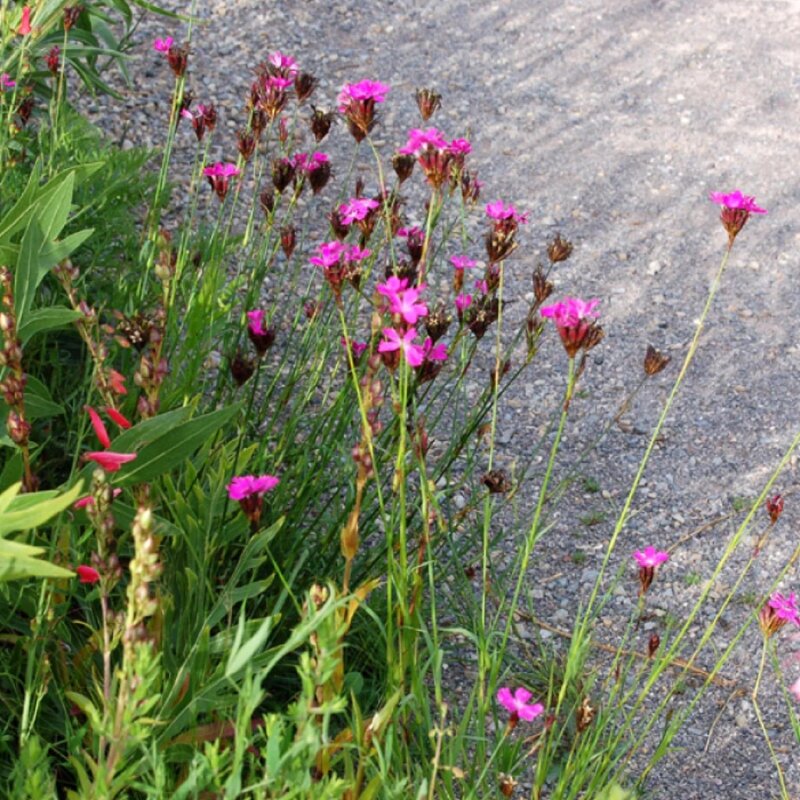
609 121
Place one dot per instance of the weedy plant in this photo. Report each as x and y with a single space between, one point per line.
250 463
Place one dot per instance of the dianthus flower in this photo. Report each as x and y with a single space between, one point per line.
648 559
249 490
340 262
463 302
518 705
499 211
356 348
6 82
779 610
462 262
262 336
219 176
357 209
575 320
402 343
422 139
405 304
736 210
357 102
281 64
163 45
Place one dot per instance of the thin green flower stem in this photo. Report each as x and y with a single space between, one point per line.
32 666
484 658
669 655
623 516
773 754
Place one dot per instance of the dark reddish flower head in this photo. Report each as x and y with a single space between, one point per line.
71 14
320 123
219 176
260 334
774 507
53 60
87 574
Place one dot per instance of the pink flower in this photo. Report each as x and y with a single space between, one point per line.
163 45
117 381
482 286
518 705
460 147
431 352
219 176
736 210
117 417
362 91
110 461
650 557
499 211
392 286
785 608
356 209
394 341
405 303
255 322
99 428
794 690
421 140
87 574
245 486
357 348
88 500
6 82
737 201
25 23
282 63
571 311
329 254
463 302
316 161
462 262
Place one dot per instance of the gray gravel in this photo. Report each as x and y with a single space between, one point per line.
610 121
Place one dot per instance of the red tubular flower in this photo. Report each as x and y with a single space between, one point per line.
24 28
110 461
99 427
87 574
118 417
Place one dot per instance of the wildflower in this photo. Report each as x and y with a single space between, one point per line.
777 612
393 285
507 784
279 64
52 59
458 150
246 144
500 242
356 348
116 416
177 57
242 369
71 14
415 242
272 94
500 212
320 123
485 311
736 210
653 644
574 319
431 149
283 171
655 360
249 490
402 343
110 461
482 286
204 118
794 689
463 302
438 321
497 481
262 337
304 85
117 381
6 82
339 261
219 176
460 263
470 187
99 427
318 169
87 574
357 102
428 102
419 140
559 249
25 22
518 705
88 500
648 559
774 506
267 201
405 304
163 45
433 358
403 166
357 209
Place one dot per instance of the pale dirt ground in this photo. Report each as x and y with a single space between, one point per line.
610 121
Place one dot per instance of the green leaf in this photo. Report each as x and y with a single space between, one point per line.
8 495
53 210
21 561
38 402
243 654
17 216
53 252
26 277
23 513
173 447
45 319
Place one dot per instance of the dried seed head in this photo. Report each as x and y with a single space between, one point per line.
428 102
496 481
584 715
655 360
559 249
320 123
653 644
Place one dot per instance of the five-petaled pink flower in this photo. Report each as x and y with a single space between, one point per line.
255 322
219 176
283 64
356 209
361 91
575 321
736 210
163 45
463 302
110 461
394 341
421 140
650 557
356 348
518 705
405 304
499 211
785 607
433 352
245 486
87 574
462 262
